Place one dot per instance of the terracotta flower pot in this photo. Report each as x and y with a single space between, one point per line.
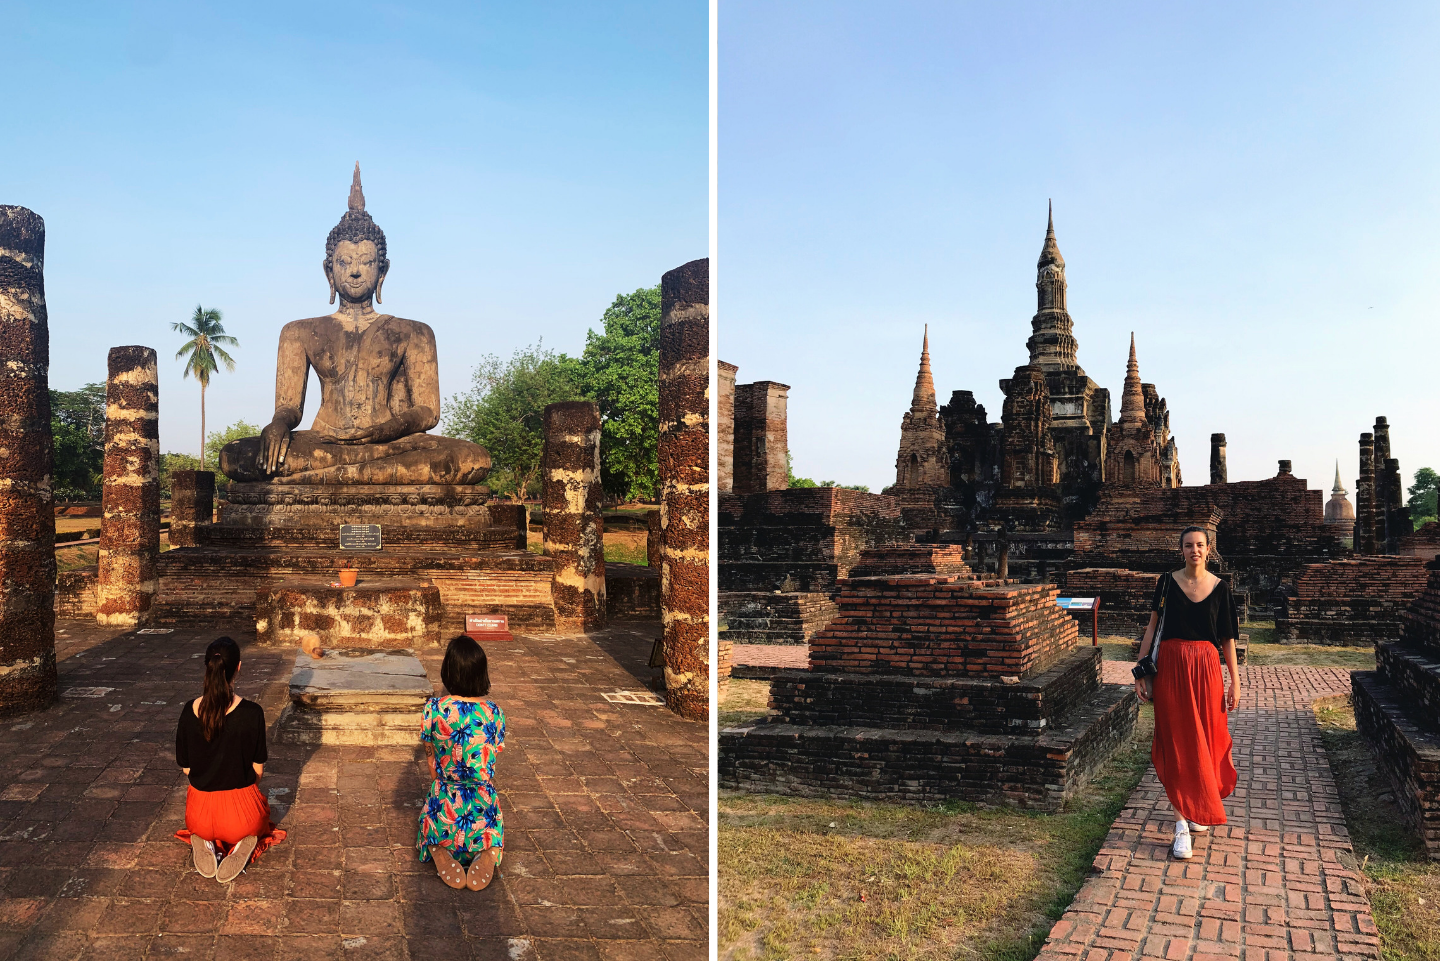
347 578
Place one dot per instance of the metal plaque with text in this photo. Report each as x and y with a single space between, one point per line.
360 537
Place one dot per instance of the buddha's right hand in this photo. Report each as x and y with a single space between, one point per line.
274 444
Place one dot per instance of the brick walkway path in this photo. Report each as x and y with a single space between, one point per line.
1274 884
605 815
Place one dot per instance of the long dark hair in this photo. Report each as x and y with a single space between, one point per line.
465 672
222 657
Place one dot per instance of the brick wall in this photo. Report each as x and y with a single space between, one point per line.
75 592
1425 542
767 617
942 626
632 591
1350 602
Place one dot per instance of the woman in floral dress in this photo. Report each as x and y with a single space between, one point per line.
460 824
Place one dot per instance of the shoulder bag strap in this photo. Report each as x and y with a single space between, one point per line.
1160 624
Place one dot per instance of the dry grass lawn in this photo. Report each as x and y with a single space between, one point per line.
1401 880
802 878
622 547
1264 651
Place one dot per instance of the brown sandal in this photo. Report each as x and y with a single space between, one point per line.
447 867
482 870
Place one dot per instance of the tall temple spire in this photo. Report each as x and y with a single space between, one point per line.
1051 343
1339 488
923 400
1132 401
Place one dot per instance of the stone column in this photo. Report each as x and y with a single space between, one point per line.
1217 459
1365 498
760 438
685 487
1284 469
192 505
574 526
514 516
27 500
653 533
130 527
725 428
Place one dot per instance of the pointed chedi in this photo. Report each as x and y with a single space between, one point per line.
923 400
1132 400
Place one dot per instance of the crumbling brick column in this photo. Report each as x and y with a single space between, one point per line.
1217 459
725 428
574 526
130 526
685 487
192 505
761 441
27 501
514 516
1284 469
1365 541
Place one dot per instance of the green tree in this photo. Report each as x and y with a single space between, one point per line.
807 482
206 335
77 424
1424 496
169 463
620 371
504 412
218 439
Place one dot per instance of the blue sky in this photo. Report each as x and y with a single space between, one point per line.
527 162
1249 188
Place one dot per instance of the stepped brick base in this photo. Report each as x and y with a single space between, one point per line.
1407 753
384 613
929 767
204 582
1350 602
761 617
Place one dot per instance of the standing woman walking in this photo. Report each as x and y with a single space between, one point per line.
1191 749
220 745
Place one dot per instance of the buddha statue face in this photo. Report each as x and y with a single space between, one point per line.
355 271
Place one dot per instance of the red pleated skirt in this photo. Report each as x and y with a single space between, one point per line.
226 817
1191 750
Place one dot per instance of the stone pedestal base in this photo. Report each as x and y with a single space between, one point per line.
375 613
356 697
775 617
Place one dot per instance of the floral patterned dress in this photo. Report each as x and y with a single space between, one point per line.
462 810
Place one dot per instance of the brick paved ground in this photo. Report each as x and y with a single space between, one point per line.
606 844
1275 883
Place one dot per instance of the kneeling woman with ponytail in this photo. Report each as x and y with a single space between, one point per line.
220 745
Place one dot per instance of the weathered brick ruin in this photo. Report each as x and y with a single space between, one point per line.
130 528
1424 542
515 517
684 452
725 426
1219 472
192 505
27 510
1350 602
1043 466
1397 711
379 613
574 527
1382 521
1124 595
782 551
936 686
1339 512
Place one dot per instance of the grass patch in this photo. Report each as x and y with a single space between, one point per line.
805 878
74 558
1263 651
1401 880
744 702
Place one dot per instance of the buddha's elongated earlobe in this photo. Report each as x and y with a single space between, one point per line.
329 278
381 283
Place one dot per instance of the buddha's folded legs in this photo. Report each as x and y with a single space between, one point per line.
417 459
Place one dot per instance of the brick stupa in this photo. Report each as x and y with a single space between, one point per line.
932 684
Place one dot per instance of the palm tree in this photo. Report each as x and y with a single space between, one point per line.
206 334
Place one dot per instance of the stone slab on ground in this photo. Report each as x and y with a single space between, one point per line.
1278 882
354 697
605 818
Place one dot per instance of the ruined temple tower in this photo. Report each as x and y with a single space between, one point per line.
1132 455
1338 510
1080 408
921 466
1218 472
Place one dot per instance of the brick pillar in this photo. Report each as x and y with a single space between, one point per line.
574 526
685 487
760 438
27 502
192 505
725 429
1284 469
653 533
514 516
130 527
1217 459
1365 542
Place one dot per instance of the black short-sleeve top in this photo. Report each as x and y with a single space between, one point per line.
1213 619
223 764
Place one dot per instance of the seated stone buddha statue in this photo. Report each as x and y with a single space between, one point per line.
379 386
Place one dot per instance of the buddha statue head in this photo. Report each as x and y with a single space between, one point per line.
355 262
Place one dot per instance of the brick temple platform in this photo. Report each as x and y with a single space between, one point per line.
606 843
1275 883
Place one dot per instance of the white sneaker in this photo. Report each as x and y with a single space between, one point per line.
1181 847
1198 828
